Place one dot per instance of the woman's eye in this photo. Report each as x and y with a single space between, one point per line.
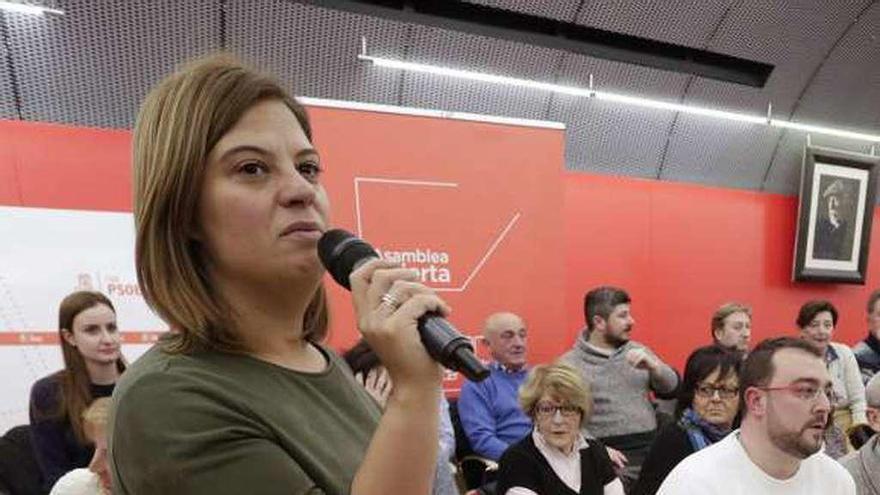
253 168
310 170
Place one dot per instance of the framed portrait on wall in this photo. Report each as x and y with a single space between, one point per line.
835 213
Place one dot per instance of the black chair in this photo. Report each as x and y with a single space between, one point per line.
472 470
19 472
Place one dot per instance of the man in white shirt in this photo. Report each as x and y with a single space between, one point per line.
784 397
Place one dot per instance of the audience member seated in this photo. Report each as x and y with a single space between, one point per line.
817 320
489 412
867 352
19 472
621 374
90 346
707 406
556 458
732 327
864 464
785 390
96 479
369 372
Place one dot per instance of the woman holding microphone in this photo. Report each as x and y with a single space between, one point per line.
242 396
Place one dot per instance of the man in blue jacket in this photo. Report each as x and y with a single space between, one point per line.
489 411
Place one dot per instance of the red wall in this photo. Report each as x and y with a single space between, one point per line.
682 250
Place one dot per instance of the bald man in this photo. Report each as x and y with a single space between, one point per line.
489 411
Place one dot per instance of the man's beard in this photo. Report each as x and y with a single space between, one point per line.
796 443
618 340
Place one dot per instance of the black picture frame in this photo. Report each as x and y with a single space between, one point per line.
835 214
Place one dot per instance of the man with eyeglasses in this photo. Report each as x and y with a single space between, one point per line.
864 464
785 399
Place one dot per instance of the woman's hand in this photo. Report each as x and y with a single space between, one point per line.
388 303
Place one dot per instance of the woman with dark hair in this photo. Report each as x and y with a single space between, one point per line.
243 395
817 321
90 346
708 403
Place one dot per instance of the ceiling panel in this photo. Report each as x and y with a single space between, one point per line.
7 95
315 49
845 93
564 10
685 23
793 37
465 51
93 65
610 138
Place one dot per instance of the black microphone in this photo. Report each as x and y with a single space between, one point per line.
342 252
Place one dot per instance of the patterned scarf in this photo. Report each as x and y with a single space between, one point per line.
700 433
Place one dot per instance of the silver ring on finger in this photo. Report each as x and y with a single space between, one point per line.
389 300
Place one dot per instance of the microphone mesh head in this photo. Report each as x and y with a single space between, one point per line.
341 252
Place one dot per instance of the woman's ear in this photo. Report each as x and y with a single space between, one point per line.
68 336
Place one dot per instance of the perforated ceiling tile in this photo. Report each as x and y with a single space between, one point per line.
714 152
793 38
315 49
563 10
846 90
611 139
686 22
463 51
7 95
93 65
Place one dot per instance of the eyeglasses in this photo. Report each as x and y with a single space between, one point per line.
567 411
708 391
805 391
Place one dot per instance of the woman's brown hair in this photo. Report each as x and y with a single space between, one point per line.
179 123
76 393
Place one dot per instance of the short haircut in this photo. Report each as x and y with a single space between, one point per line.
562 381
723 312
872 300
601 301
700 364
179 123
811 308
758 369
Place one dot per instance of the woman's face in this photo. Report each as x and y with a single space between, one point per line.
818 331
716 399
262 208
557 421
94 334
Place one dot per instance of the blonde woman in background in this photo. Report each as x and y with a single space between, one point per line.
556 458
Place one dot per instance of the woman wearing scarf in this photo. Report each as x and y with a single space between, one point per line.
708 404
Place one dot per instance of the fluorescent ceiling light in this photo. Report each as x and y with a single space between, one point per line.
590 92
25 8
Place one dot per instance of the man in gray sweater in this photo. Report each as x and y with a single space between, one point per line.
621 374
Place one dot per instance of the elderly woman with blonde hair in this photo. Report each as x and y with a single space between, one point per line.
555 457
